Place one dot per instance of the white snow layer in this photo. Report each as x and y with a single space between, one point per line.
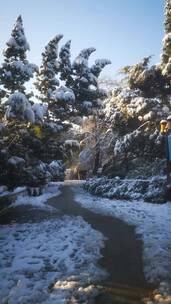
4 191
40 201
49 262
64 94
153 226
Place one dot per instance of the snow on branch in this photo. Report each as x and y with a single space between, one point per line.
85 53
19 107
99 65
82 58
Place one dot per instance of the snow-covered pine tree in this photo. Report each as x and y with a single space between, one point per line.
16 69
19 144
14 72
55 99
68 98
79 92
46 81
87 92
88 95
58 98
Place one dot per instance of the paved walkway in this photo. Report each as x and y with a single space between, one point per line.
122 255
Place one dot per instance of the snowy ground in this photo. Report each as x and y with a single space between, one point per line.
49 262
4 191
55 261
51 190
153 226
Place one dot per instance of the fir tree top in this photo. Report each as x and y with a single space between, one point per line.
51 50
16 69
17 45
46 81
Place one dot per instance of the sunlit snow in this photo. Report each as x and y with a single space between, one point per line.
49 262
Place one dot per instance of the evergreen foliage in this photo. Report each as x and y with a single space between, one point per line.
16 70
47 81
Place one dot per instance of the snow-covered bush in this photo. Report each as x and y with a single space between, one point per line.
43 173
153 190
37 175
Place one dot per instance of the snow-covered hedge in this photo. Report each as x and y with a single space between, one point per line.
152 190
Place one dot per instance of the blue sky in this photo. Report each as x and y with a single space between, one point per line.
122 30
